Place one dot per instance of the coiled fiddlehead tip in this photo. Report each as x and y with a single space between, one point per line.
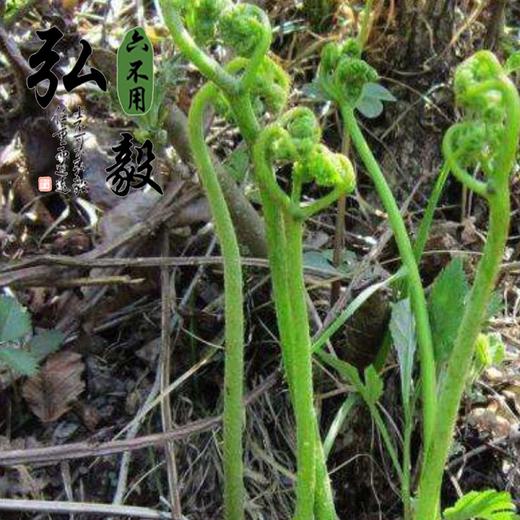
481 69
301 123
295 138
468 139
242 27
271 87
346 172
332 53
269 90
342 72
294 135
303 129
468 144
352 74
330 56
327 169
352 48
202 17
484 91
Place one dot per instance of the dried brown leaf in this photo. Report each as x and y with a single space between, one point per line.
51 392
491 420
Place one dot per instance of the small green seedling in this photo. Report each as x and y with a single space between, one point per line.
18 350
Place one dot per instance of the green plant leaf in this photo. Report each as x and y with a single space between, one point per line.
513 62
497 349
317 260
373 385
15 321
370 107
370 102
237 164
446 305
349 372
375 90
371 390
13 6
348 261
322 260
19 360
483 357
352 307
46 343
402 328
489 351
484 505
495 305
314 91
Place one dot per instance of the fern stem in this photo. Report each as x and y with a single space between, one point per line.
281 263
302 372
498 197
234 314
407 256
460 359
426 222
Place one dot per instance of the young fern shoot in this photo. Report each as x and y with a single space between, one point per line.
486 138
294 139
205 19
342 77
250 85
234 314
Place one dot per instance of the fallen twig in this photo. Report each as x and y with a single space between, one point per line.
511 438
82 282
79 262
48 506
167 299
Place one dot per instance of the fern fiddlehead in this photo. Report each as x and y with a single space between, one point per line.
249 85
204 17
234 314
294 139
488 139
342 76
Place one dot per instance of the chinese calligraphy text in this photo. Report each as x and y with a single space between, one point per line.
78 184
46 58
132 166
135 80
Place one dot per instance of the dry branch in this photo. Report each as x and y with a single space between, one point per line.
48 506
